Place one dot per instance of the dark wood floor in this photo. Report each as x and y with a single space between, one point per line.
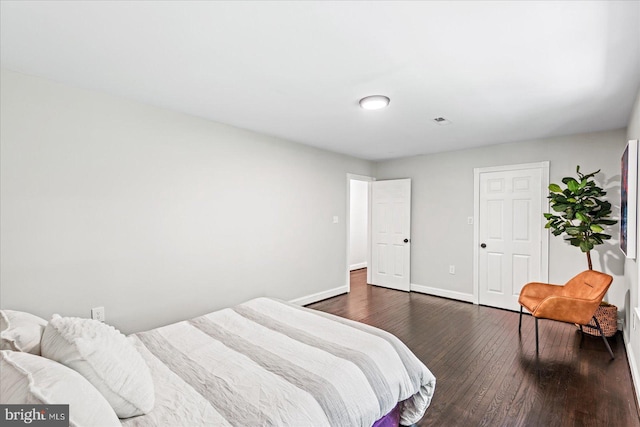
487 374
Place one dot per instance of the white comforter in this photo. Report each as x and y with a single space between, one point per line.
266 362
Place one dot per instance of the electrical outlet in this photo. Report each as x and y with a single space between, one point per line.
452 269
97 313
470 220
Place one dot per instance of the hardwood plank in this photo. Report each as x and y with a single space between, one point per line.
487 373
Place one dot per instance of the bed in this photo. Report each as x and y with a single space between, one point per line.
268 362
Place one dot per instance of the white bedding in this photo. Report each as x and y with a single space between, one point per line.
266 362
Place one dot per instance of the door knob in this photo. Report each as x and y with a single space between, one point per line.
483 245
406 240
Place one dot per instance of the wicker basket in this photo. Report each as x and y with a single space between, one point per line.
607 315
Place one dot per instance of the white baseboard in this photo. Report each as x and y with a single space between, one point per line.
631 357
319 296
460 296
358 266
635 374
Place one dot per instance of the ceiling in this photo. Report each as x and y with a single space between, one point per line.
498 71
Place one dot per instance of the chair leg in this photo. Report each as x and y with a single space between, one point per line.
581 336
603 337
536 335
520 323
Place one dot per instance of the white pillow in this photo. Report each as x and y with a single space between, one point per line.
105 358
28 379
20 331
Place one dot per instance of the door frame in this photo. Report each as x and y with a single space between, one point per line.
351 176
544 245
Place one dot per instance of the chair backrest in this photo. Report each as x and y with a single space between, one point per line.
589 284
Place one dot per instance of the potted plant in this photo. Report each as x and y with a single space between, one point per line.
582 213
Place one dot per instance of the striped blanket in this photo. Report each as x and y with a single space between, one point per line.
267 362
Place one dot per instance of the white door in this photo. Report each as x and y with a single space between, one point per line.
511 237
391 233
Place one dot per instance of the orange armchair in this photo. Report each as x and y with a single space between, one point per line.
575 302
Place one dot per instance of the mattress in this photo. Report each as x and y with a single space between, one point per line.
267 362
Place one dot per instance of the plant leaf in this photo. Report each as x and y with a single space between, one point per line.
555 188
574 242
573 231
608 221
582 217
573 185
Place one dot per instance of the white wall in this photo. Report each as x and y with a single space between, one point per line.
631 274
156 215
358 216
442 200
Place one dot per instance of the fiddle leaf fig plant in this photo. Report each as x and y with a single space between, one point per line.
580 211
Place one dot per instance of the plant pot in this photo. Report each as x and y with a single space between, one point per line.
607 315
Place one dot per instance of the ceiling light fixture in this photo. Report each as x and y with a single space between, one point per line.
374 102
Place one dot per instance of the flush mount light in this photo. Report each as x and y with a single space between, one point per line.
374 102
